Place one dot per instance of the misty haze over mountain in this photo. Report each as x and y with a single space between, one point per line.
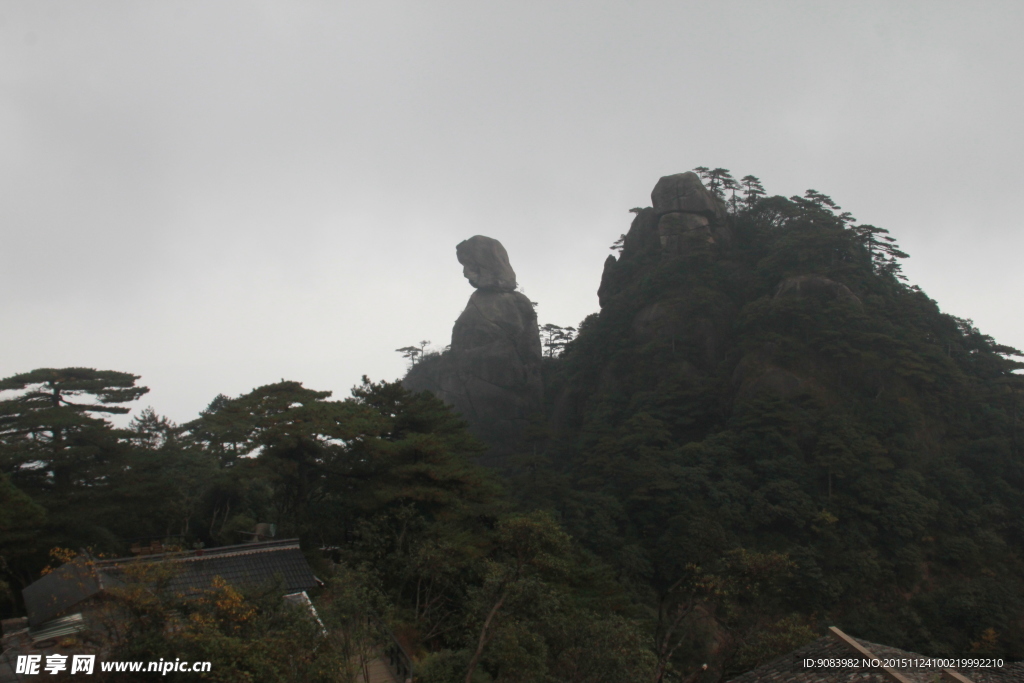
218 196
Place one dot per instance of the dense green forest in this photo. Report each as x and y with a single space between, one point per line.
758 436
382 490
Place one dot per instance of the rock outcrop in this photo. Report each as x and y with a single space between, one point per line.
485 264
491 374
685 193
684 214
815 287
686 211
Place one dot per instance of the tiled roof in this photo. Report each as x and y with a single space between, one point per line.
790 668
270 563
60 590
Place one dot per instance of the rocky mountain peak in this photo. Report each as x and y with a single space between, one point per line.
685 215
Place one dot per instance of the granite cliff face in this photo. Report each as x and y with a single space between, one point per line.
491 374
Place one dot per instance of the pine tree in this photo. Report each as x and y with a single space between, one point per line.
732 185
50 437
882 251
820 199
556 338
717 180
752 189
411 353
549 334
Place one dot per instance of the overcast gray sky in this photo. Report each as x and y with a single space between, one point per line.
220 195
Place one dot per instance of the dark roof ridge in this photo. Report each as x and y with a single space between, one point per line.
222 551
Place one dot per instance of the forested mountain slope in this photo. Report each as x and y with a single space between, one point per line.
765 431
762 377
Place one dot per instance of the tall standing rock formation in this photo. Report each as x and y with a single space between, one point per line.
492 373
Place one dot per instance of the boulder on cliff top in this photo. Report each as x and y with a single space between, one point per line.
684 192
485 264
